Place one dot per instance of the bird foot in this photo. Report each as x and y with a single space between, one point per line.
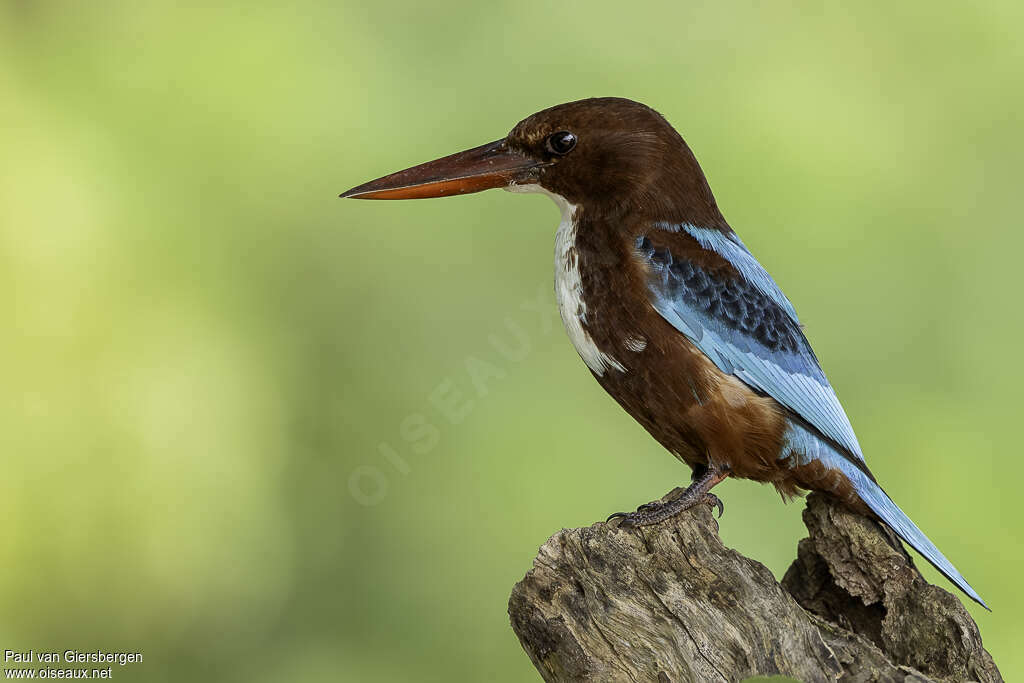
655 512
678 500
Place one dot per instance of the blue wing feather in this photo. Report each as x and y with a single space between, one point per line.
747 327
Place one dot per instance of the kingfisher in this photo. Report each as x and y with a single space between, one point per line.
670 311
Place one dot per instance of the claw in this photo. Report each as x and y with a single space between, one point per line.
716 502
627 523
642 508
626 517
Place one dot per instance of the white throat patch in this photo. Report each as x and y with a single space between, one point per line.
569 286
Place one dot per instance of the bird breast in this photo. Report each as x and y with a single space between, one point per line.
569 286
569 293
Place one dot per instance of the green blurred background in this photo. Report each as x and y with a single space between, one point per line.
220 429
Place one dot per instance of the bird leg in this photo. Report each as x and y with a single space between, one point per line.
697 492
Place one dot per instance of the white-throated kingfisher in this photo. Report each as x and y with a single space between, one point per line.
670 311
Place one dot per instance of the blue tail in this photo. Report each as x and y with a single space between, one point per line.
808 446
880 503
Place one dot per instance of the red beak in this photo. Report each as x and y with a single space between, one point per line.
480 168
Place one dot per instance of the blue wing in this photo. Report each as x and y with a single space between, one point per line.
745 325
743 322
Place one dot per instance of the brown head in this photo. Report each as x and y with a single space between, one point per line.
606 154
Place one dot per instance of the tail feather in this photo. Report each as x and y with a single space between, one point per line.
880 503
808 446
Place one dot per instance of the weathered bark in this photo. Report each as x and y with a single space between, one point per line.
671 603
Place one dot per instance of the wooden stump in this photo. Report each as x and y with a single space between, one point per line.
671 603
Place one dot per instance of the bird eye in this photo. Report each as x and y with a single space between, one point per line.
561 143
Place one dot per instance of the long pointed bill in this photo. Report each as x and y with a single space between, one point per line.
480 168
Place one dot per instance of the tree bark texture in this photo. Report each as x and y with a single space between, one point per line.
671 603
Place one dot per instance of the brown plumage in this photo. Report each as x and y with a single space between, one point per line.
670 387
669 310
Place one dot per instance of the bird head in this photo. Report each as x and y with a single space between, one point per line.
608 153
